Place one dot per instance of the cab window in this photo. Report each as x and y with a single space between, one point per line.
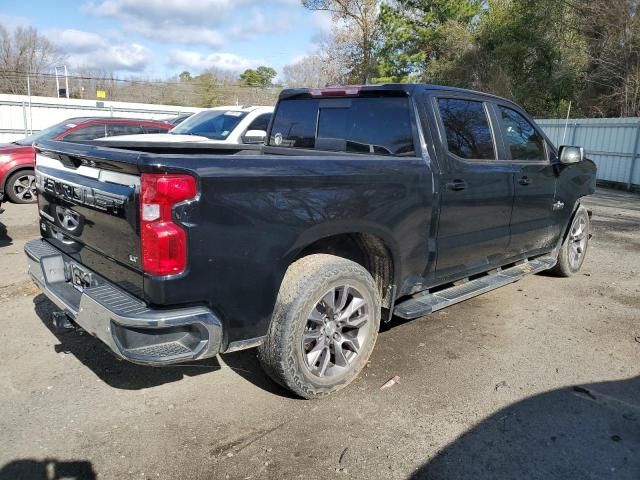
524 141
261 122
467 129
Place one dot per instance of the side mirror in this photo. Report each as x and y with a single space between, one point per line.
569 155
254 136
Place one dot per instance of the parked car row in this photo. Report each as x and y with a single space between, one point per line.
17 178
229 125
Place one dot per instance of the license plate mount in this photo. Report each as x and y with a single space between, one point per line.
80 278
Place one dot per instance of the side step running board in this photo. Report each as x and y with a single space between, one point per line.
425 303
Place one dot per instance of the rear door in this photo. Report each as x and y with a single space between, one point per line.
88 209
534 224
476 188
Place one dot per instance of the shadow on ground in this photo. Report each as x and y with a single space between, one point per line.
47 469
128 376
5 239
582 432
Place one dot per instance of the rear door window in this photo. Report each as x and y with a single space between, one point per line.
149 129
524 141
467 128
116 129
91 132
369 125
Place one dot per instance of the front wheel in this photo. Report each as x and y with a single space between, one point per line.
324 326
574 247
21 187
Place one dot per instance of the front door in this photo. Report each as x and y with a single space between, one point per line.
534 224
477 191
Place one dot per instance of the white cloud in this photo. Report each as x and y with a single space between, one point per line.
175 21
203 22
10 22
223 61
93 51
259 24
201 12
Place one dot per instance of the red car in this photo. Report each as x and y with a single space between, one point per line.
17 178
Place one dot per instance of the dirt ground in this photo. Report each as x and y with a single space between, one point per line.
540 379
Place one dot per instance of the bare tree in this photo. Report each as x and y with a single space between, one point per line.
612 31
324 68
355 31
25 51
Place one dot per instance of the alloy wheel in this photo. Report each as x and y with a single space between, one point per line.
578 242
336 329
24 187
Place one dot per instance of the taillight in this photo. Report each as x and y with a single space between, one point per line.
164 243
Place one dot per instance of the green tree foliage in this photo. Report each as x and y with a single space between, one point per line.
532 52
260 77
417 35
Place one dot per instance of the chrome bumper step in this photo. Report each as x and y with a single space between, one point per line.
130 328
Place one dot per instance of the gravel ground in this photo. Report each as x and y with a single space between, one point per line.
540 379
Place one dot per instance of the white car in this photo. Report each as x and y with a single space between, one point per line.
229 125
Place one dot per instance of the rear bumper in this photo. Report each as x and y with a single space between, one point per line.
125 324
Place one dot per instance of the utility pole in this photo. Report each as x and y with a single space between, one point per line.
66 81
30 114
57 83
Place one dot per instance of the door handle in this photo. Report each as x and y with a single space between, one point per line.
457 185
524 181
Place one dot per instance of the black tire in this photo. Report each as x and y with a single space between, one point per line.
20 187
574 247
306 285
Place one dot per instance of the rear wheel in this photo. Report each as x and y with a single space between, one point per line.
324 326
574 248
21 187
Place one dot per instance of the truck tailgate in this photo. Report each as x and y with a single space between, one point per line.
89 208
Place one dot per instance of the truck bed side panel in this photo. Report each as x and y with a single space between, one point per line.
256 214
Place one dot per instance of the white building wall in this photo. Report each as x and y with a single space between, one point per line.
19 114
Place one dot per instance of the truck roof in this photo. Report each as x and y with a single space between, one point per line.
80 120
347 90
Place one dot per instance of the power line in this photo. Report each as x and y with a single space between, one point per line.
193 81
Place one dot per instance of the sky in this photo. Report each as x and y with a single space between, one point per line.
161 38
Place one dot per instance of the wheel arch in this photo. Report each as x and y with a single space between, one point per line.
373 248
567 227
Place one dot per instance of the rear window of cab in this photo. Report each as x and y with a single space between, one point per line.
367 125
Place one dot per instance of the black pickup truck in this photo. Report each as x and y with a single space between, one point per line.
364 203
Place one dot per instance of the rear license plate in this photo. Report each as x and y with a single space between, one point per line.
80 278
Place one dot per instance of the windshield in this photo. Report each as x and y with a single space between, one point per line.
214 124
47 133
